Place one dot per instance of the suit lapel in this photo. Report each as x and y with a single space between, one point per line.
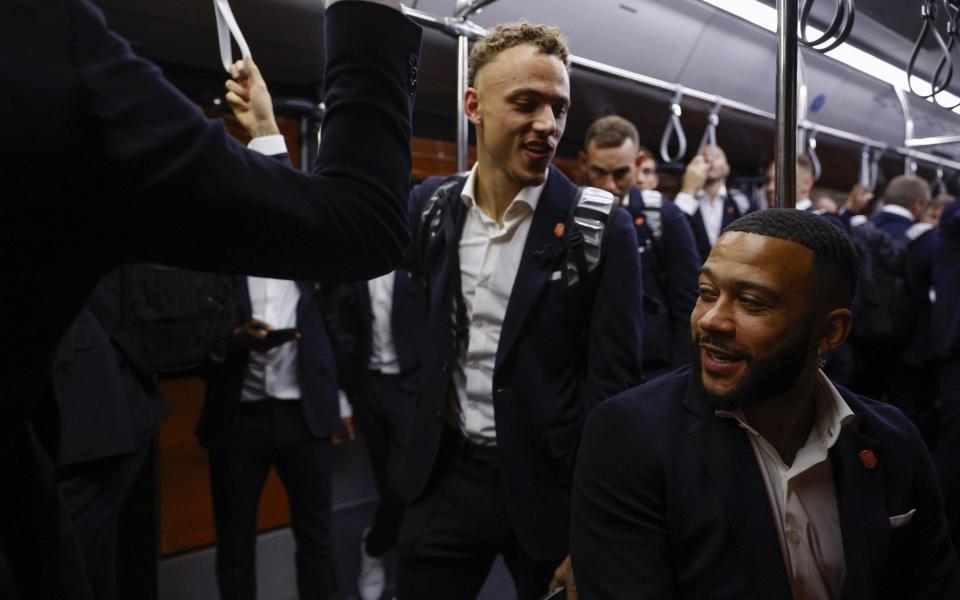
730 461
531 275
861 504
244 308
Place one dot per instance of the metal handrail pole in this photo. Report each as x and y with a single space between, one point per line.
786 126
463 127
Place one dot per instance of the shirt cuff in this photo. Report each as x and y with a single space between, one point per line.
268 144
686 203
346 410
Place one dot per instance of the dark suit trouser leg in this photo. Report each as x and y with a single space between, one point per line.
94 492
946 455
384 412
305 466
238 472
451 535
38 548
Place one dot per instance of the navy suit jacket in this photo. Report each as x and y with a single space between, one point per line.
316 371
542 393
945 316
106 407
120 166
670 270
669 502
351 315
920 255
732 210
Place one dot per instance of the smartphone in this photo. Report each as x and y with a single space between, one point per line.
278 337
558 594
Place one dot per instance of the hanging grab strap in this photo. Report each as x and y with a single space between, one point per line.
710 133
940 79
869 166
226 28
839 29
674 128
812 153
939 185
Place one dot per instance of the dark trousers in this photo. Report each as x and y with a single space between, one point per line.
384 408
946 454
265 434
94 492
452 534
40 558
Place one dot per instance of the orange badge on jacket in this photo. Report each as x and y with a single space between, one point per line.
868 460
559 229
639 221
729 210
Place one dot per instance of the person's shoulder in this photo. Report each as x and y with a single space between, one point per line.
650 403
882 421
422 192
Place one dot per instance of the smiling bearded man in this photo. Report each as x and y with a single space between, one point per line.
750 474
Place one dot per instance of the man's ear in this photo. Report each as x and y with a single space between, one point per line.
471 106
835 329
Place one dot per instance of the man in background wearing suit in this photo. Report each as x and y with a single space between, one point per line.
164 184
110 412
707 201
511 363
379 331
750 474
668 254
273 403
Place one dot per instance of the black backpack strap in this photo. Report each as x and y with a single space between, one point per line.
584 238
437 219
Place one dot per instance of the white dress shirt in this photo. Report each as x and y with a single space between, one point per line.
383 352
273 374
805 204
804 500
489 258
711 210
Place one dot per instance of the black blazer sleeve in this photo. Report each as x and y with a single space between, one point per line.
618 532
193 192
682 266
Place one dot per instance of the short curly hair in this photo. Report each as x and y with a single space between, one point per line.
549 40
835 257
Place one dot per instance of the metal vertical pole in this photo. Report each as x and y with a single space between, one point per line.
909 165
463 131
786 152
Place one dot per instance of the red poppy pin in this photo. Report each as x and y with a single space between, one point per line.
868 460
559 229
729 210
639 221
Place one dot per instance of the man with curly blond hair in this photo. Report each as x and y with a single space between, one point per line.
510 367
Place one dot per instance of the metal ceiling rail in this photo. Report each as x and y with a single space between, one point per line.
465 28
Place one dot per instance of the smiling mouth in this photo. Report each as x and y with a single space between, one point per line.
720 362
538 149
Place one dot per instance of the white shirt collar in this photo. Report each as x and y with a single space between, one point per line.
832 414
898 210
804 204
721 194
529 195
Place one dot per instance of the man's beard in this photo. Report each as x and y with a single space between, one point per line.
764 379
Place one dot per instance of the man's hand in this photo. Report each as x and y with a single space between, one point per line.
253 335
564 576
858 199
349 433
250 100
695 175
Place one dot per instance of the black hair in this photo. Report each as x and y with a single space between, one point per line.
834 254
